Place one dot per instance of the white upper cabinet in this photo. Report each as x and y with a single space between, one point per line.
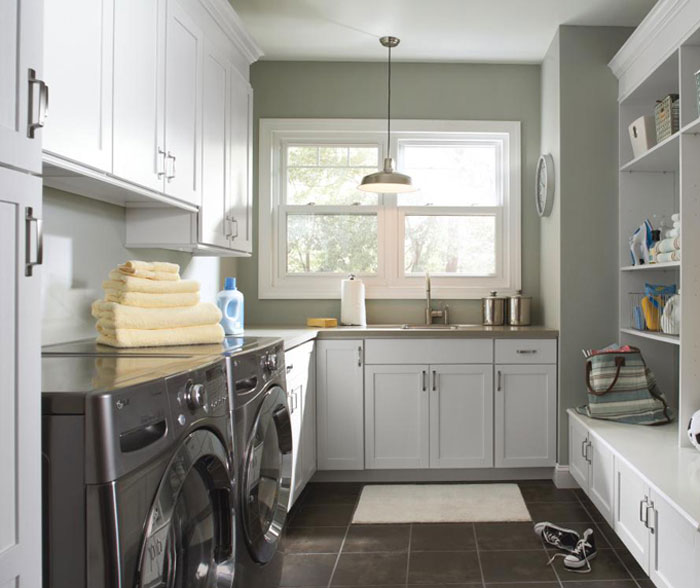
139 92
214 226
240 204
183 83
22 94
78 68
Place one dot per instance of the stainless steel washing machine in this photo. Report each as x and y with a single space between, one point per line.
263 441
138 473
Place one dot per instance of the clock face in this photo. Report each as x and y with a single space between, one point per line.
544 190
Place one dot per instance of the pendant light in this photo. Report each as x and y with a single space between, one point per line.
387 181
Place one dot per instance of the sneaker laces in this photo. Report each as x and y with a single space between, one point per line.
553 538
579 551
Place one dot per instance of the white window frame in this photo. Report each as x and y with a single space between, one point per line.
276 134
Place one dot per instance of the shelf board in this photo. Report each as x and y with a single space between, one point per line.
669 265
662 157
663 337
692 128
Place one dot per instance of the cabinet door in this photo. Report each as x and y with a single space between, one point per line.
183 84
602 475
461 416
675 546
295 393
308 423
526 415
78 47
340 405
214 228
21 50
631 499
139 142
240 203
578 463
20 380
396 417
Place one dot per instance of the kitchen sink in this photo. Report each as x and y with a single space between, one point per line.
420 327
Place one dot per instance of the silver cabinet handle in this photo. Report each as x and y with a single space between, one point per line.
234 221
160 163
583 448
33 125
434 380
228 231
30 219
588 446
424 376
290 367
654 514
525 351
171 176
359 356
644 511
498 381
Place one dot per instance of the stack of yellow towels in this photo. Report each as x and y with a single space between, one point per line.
146 304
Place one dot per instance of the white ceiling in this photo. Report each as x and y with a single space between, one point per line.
510 31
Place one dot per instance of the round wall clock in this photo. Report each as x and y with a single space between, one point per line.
544 188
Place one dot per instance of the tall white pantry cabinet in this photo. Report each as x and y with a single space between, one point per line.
23 98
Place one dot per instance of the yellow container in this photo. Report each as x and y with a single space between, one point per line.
321 322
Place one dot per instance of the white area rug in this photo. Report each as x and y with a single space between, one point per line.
441 503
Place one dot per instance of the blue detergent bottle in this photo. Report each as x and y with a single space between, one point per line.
230 302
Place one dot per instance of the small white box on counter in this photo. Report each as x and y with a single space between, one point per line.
642 135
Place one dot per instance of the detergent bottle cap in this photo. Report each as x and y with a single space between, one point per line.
230 284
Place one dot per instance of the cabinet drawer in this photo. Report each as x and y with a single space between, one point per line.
432 351
298 363
526 351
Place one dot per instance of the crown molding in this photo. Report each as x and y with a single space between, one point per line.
648 30
232 25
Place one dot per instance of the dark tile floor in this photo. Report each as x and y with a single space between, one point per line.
322 548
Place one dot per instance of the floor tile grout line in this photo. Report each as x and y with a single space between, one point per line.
342 544
408 553
478 556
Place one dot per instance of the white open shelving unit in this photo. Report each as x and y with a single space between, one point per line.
663 181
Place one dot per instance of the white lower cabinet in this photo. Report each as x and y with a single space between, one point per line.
301 398
525 415
461 416
396 417
664 543
592 463
340 418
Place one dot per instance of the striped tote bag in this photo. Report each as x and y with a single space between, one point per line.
622 388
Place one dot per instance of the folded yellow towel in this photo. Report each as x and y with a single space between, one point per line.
146 300
133 265
160 337
119 316
119 281
151 275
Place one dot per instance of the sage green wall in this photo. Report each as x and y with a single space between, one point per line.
579 241
419 91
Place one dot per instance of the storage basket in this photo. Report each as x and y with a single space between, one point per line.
645 312
666 114
642 135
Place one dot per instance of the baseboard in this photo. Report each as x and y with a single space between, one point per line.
563 478
456 475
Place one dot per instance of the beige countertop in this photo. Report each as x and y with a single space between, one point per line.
294 336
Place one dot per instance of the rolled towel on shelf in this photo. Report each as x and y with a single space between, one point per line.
672 233
160 337
676 217
119 281
132 266
666 257
148 300
668 245
113 315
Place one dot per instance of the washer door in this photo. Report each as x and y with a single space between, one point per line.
267 476
190 532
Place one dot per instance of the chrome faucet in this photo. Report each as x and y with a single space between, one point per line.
430 314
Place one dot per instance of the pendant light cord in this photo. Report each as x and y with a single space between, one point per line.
388 108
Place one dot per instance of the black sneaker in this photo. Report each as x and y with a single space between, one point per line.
557 537
580 557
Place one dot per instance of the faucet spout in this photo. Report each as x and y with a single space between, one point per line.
428 301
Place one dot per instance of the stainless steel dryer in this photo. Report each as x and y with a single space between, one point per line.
263 438
138 473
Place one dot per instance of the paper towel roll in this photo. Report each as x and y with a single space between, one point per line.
352 302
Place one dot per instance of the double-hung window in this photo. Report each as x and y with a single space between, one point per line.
462 225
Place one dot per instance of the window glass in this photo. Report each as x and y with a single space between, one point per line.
452 175
332 243
452 245
329 174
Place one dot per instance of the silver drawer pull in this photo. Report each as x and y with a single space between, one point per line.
43 104
30 219
525 351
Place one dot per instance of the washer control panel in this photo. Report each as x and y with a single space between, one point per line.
199 393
